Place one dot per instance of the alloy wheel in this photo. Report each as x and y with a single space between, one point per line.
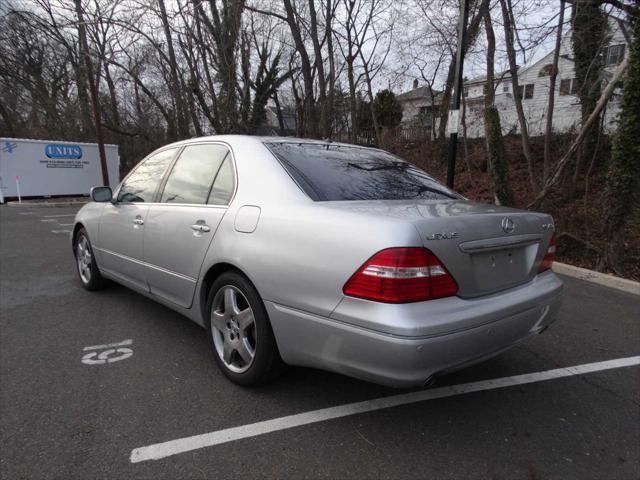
83 257
233 329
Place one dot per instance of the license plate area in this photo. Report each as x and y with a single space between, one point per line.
501 269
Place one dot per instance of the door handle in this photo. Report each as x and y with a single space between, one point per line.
199 227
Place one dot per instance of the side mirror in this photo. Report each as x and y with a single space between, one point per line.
101 194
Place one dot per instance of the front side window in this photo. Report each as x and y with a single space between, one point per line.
327 172
141 185
192 175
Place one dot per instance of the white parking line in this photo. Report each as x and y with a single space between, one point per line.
173 447
123 343
56 216
66 224
60 231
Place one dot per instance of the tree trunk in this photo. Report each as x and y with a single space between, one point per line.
353 106
513 70
276 101
622 191
372 108
310 122
93 89
557 170
332 69
113 98
465 143
589 29
83 97
496 155
472 34
552 95
176 91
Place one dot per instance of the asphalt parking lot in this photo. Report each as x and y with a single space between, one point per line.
70 411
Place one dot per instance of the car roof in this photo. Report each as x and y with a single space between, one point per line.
234 139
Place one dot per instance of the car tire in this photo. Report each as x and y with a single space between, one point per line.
240 334
86 265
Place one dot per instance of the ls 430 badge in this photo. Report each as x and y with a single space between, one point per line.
442 236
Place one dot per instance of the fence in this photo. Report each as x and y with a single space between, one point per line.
401 134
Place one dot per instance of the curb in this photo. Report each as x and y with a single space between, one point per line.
45 204
592 276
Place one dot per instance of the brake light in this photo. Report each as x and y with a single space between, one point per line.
401 275
549 256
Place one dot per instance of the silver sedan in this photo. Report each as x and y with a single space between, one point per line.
323 255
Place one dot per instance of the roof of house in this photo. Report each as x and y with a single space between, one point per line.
420 92
482 79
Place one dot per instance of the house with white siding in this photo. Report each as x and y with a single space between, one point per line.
420 107
534 83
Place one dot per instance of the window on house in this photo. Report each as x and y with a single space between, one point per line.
568 86
528 91
425 115
505 87
613 55
546 70
525 91
465 92
485 89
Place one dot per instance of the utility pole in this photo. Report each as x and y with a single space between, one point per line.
93 90
454 111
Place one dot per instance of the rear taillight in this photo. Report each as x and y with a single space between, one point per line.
401 275
549 256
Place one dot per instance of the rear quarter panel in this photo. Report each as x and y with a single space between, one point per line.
301 256
302 252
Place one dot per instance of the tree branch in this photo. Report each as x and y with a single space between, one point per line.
602 101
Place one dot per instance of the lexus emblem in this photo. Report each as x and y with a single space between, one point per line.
508 225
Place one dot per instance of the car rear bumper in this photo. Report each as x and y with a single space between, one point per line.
404 361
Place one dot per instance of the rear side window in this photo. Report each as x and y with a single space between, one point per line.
141 185
191 177
224 184
327 172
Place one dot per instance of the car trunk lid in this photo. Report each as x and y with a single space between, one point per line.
486 248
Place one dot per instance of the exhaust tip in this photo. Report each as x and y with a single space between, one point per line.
430 382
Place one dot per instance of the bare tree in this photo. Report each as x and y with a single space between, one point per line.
496 155
87 64
507 18
181 114
557 170
552 95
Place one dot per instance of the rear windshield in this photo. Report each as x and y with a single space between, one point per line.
328 172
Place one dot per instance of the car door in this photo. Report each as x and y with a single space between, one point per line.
180 226
120 237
